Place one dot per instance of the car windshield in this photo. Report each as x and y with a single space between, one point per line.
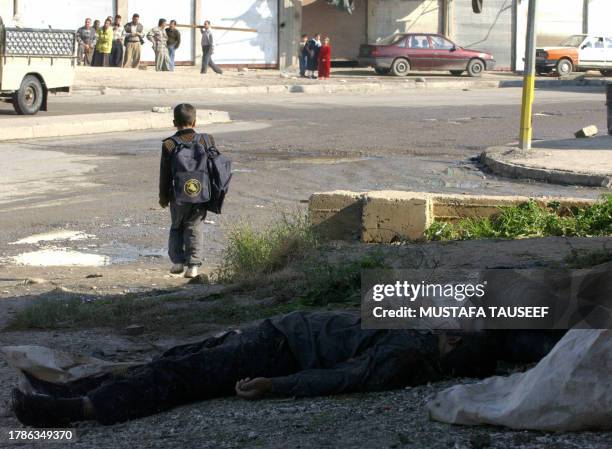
391 40
573 41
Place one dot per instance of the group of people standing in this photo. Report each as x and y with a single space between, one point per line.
116 45
314 55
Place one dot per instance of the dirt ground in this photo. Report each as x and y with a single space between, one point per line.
378 420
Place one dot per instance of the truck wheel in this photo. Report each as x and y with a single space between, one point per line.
565 67
475 67
400 67
381 70
456 72
29 98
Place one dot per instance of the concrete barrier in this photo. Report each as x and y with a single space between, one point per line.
28 127
388 216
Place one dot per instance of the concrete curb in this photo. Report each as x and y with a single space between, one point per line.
74 125
338 87
497 160
388 216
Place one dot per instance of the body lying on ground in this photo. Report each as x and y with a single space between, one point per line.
299 354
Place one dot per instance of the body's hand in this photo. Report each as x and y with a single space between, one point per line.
253 388
163 203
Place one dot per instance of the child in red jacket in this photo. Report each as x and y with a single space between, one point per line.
325 60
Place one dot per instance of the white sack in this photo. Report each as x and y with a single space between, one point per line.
570 389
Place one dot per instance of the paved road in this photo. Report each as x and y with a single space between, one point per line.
284 148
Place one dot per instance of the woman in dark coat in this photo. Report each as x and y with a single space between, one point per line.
325 60
312 55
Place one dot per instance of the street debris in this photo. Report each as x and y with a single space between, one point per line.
587 131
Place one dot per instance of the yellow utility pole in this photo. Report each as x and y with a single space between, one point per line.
528 79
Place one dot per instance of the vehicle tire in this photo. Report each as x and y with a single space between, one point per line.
475 68
400 67
606 72
457 72
29 98
564 67
381 70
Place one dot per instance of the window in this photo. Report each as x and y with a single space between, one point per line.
417 42
439 43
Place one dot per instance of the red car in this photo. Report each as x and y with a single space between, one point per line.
401 53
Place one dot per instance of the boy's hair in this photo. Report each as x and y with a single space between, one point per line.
184 115
173 22
136 15
161 22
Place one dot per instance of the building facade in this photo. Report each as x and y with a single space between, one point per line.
500 29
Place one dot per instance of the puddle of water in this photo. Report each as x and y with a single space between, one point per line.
61 257
53 236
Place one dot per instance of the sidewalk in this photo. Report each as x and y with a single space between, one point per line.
113 81
585 162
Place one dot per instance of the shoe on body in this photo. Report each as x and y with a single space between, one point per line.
177 268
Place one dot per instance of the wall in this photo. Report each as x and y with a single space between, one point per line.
234 47
490 31
600 16
386 17
63 14
6 10
151 11
555 23
346 31
289 31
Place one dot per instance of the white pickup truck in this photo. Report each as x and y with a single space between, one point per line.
32 64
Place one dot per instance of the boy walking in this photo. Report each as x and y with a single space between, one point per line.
186 241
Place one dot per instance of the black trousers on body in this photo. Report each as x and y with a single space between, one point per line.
207 60
193 373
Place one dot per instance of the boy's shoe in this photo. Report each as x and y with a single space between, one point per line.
177 268
191 272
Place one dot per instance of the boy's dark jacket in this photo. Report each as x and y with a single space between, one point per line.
165 167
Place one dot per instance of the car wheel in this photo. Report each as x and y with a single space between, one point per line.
475 67
29 98
565 67
382 70
606 72
456 72
400 67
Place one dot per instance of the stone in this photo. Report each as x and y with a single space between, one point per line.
587 131
389 216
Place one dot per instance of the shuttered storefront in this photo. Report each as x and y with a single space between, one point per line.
258 48
152 10
490 31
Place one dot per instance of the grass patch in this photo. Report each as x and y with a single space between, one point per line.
336 284
251 254
531 220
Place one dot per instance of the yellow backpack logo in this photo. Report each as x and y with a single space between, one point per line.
192 187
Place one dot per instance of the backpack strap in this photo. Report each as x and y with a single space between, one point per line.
209 145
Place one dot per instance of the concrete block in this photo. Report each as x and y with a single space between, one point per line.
393 215
337 215
587 131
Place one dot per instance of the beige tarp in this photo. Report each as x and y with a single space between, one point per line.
570 389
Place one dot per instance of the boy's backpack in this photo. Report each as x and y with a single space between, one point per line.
189 164
220 175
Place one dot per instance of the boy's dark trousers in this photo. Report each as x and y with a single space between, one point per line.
186 242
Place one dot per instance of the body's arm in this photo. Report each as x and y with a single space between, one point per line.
151 36
178 40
